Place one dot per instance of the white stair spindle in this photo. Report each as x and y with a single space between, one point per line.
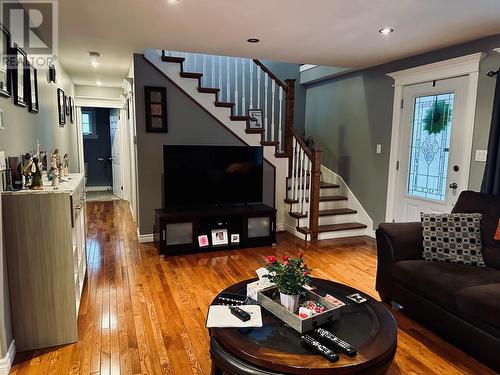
297 169
259 71
176 54
235 85
266 122
220 77
251 84
213 71
243 109
293 179
308 203
301 181
204 69
228 86
273 96
195 55
280 128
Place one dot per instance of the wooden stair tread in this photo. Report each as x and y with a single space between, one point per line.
224 104
332 212
325 198
324 185
172 59
208 90
269 143
191 75
280 155
333 227
241 118
254 131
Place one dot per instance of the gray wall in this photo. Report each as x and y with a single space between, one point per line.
348 115
22 129
99 173
187 124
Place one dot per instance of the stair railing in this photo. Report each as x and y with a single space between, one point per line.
305 180
249 84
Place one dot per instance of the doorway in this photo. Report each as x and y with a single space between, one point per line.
432 133
101 152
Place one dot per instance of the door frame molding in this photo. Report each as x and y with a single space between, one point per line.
460 66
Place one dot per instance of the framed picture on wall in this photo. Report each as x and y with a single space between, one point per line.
156 109
60 106
66 105
256 118
19 61
52 74
31 84
71 105
5 77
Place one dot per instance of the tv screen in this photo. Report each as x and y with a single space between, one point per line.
211 175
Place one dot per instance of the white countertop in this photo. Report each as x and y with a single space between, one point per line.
68 186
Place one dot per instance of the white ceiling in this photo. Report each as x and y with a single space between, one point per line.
324 32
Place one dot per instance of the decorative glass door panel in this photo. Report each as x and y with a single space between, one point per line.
430 146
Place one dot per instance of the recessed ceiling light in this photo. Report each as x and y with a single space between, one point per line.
173 1
98 83
94 63
253 40
386 30
94 56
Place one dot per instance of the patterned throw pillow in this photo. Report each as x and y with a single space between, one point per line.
454 238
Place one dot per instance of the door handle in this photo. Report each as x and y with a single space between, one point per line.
453 185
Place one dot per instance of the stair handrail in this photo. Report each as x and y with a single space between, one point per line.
305 176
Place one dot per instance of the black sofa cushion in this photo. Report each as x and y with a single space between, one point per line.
441 282
454 238
489 206
481 302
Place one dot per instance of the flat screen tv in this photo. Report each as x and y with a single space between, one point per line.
212 175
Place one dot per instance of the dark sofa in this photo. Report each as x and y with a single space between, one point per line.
459 302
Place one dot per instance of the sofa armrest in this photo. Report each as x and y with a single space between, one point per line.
395 242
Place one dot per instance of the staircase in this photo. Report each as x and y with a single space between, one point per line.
228 88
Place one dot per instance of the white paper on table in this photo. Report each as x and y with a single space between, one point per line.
220 316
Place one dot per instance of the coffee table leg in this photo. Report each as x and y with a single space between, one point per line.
215 369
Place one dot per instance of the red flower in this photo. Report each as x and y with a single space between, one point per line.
306 273
285 257
271 259
286 263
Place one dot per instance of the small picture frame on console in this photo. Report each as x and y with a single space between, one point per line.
219 237
203 241
256 118
235 238
156 109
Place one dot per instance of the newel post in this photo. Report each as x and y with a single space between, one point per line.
289 110
315 187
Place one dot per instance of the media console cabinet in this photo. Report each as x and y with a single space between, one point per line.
177 229
45 236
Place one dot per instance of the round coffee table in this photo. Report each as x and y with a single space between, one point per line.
276 349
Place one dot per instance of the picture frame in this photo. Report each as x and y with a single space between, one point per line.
156 109
61 106
5 72
71 104
66 105
31 83
235 238
203 241
256 120
19 61
219 237
52 74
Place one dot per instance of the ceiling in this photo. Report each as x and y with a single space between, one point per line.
323 32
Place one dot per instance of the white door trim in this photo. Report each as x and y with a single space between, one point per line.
460 66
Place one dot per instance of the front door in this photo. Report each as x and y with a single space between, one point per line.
430 163
115 152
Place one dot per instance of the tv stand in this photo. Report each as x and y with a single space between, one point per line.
177 229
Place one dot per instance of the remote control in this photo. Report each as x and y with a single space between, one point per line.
239 313
337 342
320 348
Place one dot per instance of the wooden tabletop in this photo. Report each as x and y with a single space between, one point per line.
370 327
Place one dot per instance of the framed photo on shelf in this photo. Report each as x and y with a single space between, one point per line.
5 77
61 106
203 241
235 238
156 109
256 118
219 237
19 61
31 83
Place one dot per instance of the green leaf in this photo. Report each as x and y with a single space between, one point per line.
436 117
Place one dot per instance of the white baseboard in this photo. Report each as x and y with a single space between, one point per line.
280 227
6 362
98 188
294 231
143 238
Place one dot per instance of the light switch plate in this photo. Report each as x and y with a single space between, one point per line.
481 155
379 148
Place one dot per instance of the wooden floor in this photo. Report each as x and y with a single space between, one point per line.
141 314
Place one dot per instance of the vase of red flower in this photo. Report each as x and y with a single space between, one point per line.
289 276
